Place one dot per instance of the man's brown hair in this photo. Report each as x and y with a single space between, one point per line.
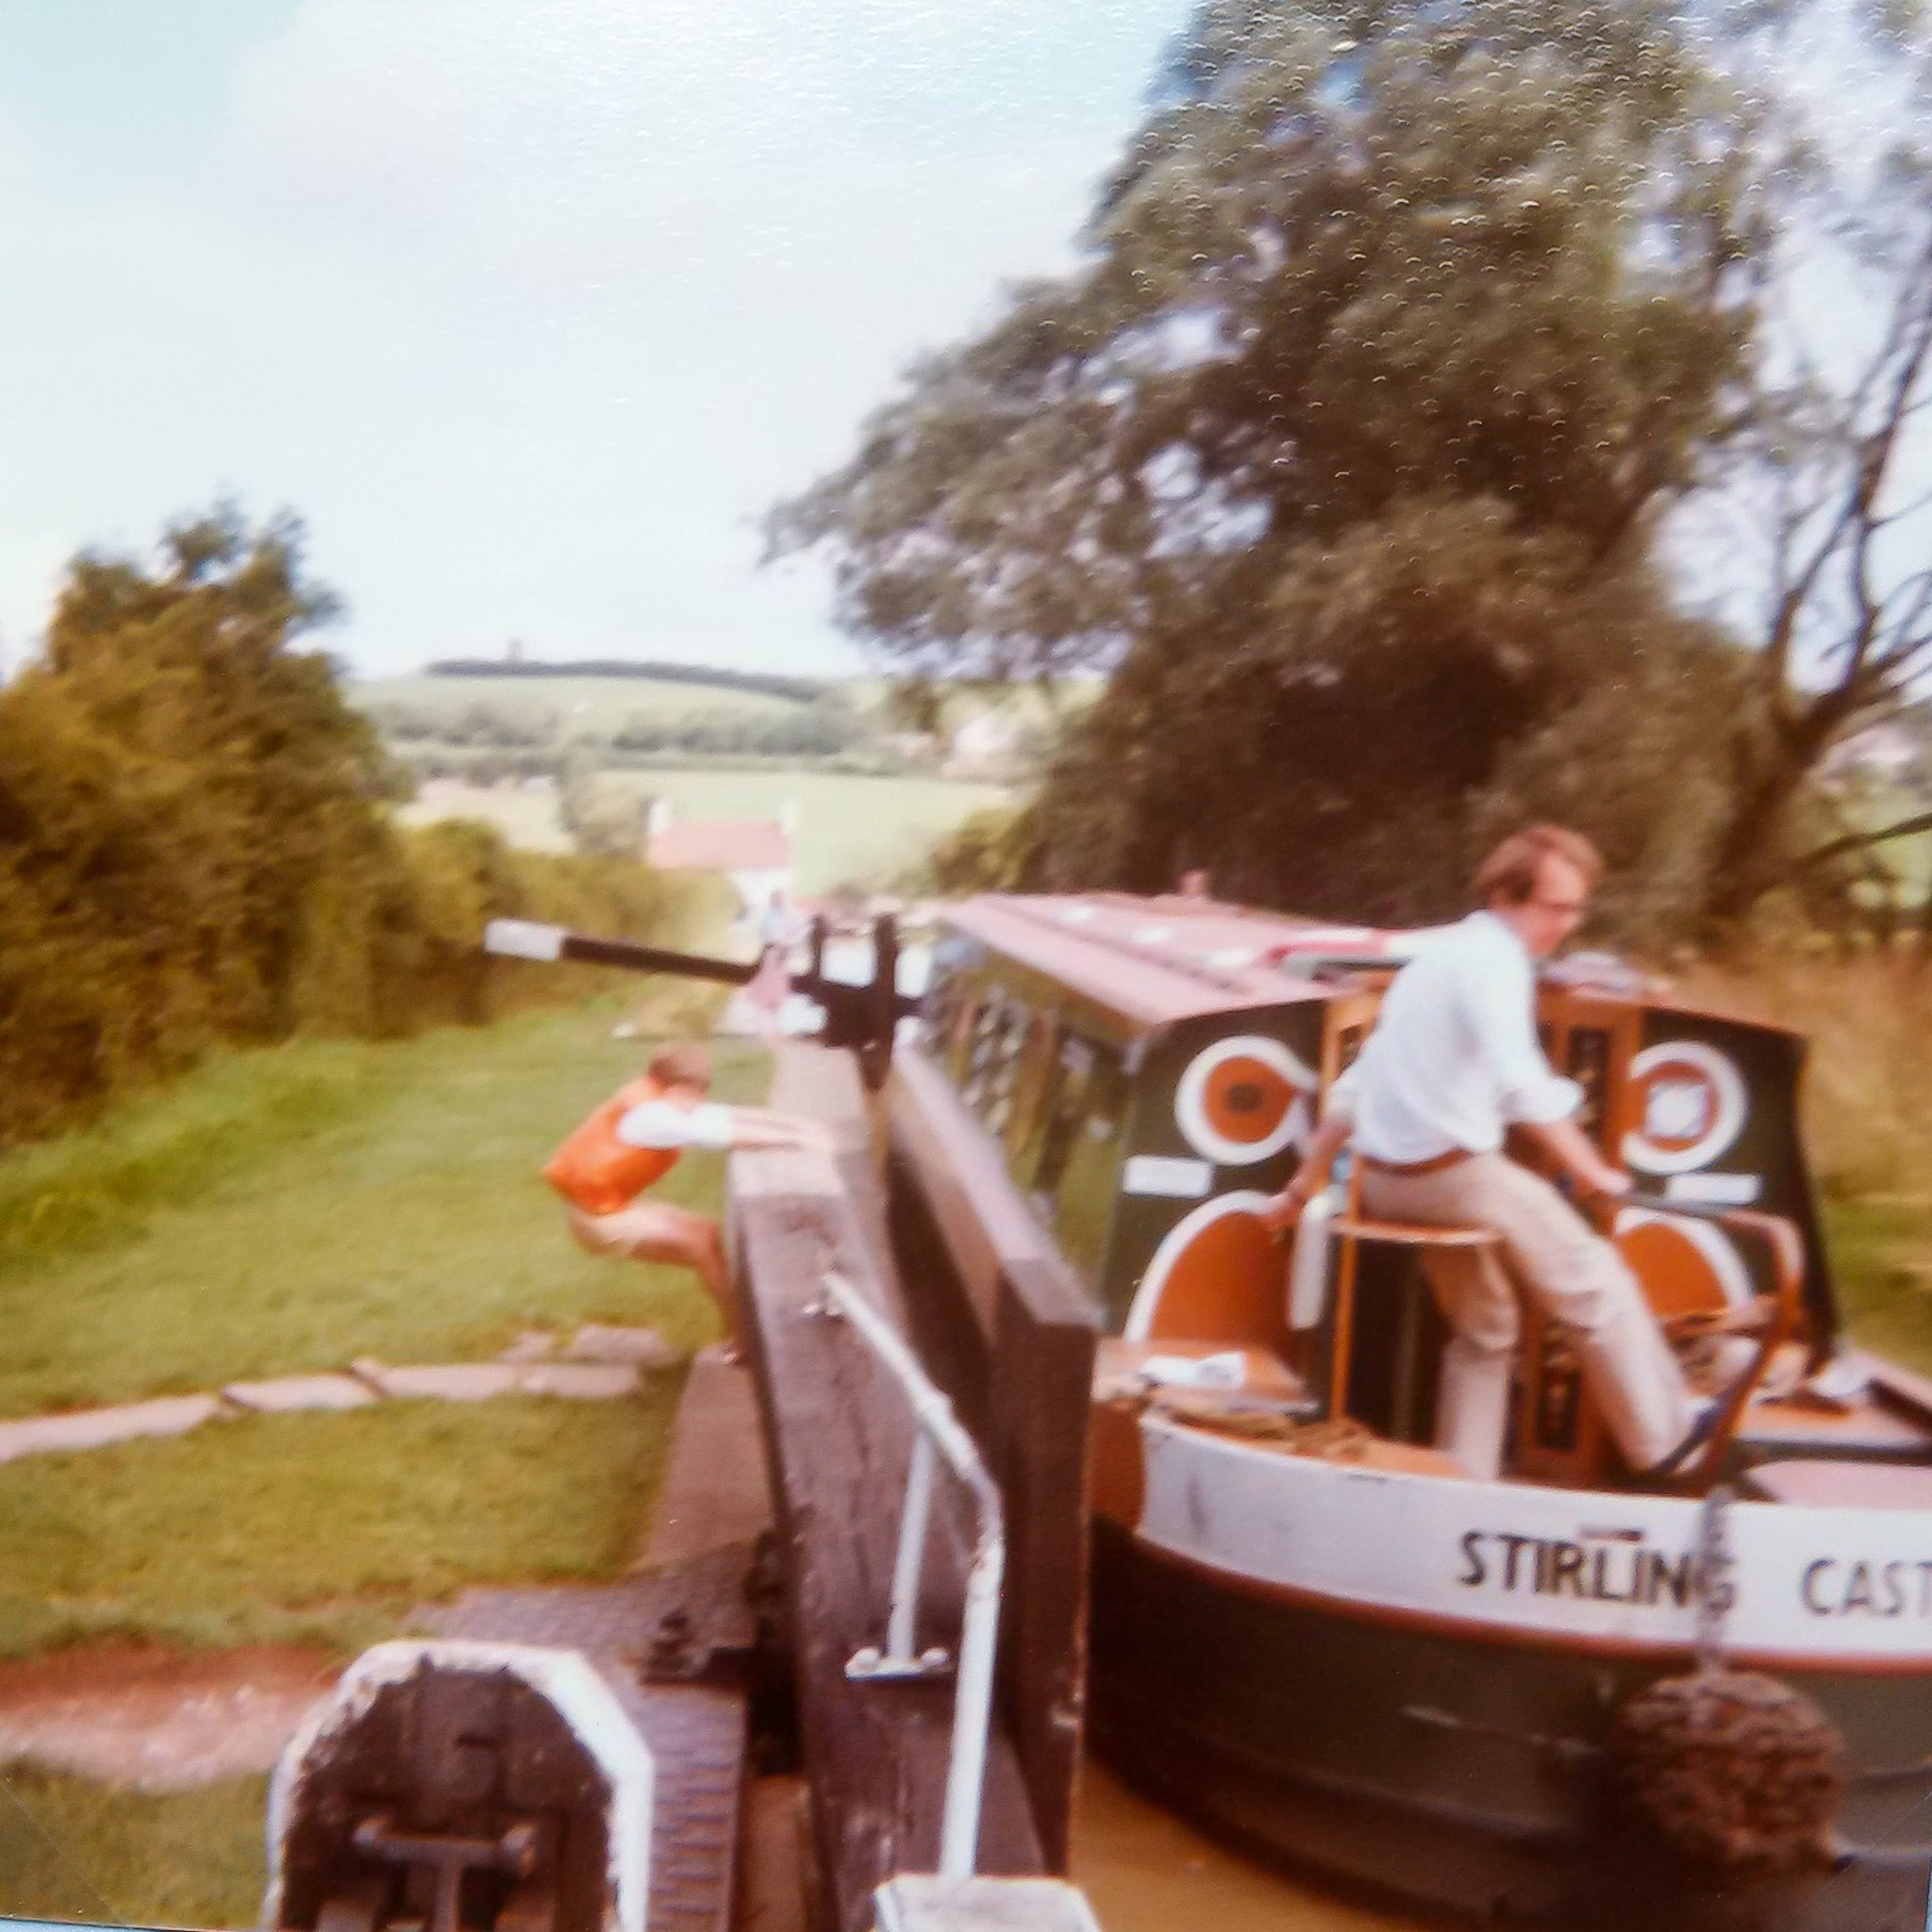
686 1064
1509 873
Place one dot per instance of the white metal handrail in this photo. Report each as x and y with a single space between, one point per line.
938 1433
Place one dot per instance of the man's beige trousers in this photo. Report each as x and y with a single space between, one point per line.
1575 1276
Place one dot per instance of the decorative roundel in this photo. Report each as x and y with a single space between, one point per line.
1242 1099
1684 1264
1216 1276
1691 1103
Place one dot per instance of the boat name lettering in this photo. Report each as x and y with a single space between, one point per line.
1602 1568
1838 1586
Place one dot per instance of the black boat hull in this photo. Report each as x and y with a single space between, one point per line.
1465 1774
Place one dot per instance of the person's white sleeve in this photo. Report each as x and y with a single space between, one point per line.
658 1124
1501 1005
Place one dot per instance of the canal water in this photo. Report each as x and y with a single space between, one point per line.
1146 1870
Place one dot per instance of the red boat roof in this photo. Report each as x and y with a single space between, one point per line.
1157 961
1161 959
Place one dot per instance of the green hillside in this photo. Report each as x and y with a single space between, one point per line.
595 707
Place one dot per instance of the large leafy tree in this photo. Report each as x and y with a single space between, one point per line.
1343 452
192 844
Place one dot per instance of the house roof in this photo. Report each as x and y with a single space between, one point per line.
722 845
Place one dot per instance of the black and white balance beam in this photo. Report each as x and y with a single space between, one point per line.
530 939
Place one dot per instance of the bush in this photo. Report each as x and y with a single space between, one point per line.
195 846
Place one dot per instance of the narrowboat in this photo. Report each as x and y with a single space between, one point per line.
1566 1697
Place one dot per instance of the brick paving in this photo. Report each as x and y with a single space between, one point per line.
696 1731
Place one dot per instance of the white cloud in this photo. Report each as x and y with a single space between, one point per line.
532 308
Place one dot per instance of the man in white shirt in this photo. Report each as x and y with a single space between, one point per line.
1453 1064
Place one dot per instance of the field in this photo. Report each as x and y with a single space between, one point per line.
600 707
583 707
851 830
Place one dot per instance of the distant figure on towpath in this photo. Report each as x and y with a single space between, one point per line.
631 1141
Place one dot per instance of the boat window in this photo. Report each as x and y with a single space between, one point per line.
1076 1176
978 1039
956 1048
938 1010
995 1061
1030 1087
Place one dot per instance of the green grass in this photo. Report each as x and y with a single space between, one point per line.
287 1210
851 830
1881 1252
292 1208
72 1849
321 1528
528 820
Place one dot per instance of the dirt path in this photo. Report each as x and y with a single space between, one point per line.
154 1719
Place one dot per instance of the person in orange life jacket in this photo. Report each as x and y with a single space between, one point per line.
633 1140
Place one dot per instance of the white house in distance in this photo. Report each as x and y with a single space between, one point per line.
753 854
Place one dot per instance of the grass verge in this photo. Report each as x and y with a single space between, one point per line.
324 1529
72 1849
291 1209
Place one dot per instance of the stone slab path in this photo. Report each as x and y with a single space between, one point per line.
601 1364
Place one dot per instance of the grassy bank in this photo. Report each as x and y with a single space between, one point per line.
322 1529
294 1207
72 1849
281 1210
1868 1118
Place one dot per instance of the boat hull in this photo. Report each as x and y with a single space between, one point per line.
1459 1771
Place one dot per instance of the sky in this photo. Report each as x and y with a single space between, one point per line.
528 307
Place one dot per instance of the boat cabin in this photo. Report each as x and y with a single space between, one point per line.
1147 1072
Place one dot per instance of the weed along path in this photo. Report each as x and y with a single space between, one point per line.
323 1209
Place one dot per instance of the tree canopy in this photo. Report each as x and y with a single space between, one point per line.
1344 454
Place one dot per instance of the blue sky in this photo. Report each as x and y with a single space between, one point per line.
529 306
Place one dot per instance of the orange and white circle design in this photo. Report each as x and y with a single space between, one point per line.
1215 1277
1690 1105
1685 1265
1242 1099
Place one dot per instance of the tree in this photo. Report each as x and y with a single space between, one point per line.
1825 506
1343 450
192 844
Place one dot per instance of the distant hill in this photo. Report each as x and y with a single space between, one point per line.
491 719
761 683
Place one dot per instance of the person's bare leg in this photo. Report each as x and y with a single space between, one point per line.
682 1238
707 1260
